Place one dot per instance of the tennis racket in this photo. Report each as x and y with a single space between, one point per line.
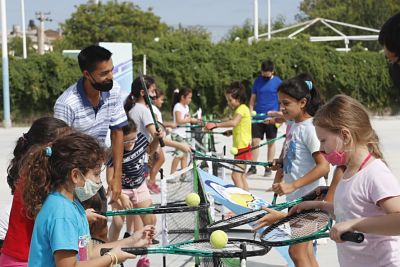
207 132
203 248
301 227
257 214
149 103
262 144
173 207
231 161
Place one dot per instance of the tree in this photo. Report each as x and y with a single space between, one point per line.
367 13
110 22
247 30
15 46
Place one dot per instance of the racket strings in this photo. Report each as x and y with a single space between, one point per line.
299 226
231 247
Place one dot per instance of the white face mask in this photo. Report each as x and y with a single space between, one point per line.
89 189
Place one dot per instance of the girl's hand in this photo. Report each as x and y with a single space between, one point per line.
339 228
270 218
126 203
194 120
276 164
211 125
283 188
93 216
143 237
185 148
306 205
121 255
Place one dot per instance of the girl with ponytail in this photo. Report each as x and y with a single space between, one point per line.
60 175
303 163
367 189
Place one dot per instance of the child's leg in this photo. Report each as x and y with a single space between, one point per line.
184 162
311 255
156 166
300 255
148 219
238 179
116 224
244 180
143 200
174 164
133 223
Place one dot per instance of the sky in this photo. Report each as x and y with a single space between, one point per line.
218 16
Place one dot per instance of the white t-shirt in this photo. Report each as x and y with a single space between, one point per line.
184 110
301 143
158 114
141 115
4 217
357 197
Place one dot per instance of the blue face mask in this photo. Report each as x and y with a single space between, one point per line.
88 190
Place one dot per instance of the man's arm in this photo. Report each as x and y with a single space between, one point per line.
252 102
117 145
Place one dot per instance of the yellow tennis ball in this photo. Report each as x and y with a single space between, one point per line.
192 200
218 239
234 150
277 125
253 113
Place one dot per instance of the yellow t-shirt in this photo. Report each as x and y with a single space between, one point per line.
242 131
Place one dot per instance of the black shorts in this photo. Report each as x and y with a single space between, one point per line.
258 130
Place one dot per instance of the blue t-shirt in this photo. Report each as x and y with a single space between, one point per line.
266 92
133 164
60 225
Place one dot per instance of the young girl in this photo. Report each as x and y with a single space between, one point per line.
303 164
159 157
235 95
181 114
15 250
367 189
55 175
135 193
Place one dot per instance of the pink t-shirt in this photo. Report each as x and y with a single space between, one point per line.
358 197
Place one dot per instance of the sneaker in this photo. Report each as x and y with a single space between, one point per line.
154 188
143 262
252 170
267 172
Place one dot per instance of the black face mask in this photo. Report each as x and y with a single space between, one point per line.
394 71
102 87
266 78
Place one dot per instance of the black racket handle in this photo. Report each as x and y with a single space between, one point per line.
352 237
321 190
135 251
162 144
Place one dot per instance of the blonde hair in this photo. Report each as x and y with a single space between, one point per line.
344 112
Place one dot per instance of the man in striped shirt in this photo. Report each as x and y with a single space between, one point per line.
93 105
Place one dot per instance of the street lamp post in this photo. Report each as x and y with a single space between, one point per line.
6 86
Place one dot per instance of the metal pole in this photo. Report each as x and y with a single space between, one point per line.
256 19
6 86
269 19
23 29
144 64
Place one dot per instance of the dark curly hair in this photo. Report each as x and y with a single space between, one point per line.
45 173
42 131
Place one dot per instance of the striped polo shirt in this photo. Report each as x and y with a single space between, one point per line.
133 164
75 109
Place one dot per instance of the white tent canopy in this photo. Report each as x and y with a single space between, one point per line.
330 24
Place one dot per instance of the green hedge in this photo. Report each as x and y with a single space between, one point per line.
176 61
